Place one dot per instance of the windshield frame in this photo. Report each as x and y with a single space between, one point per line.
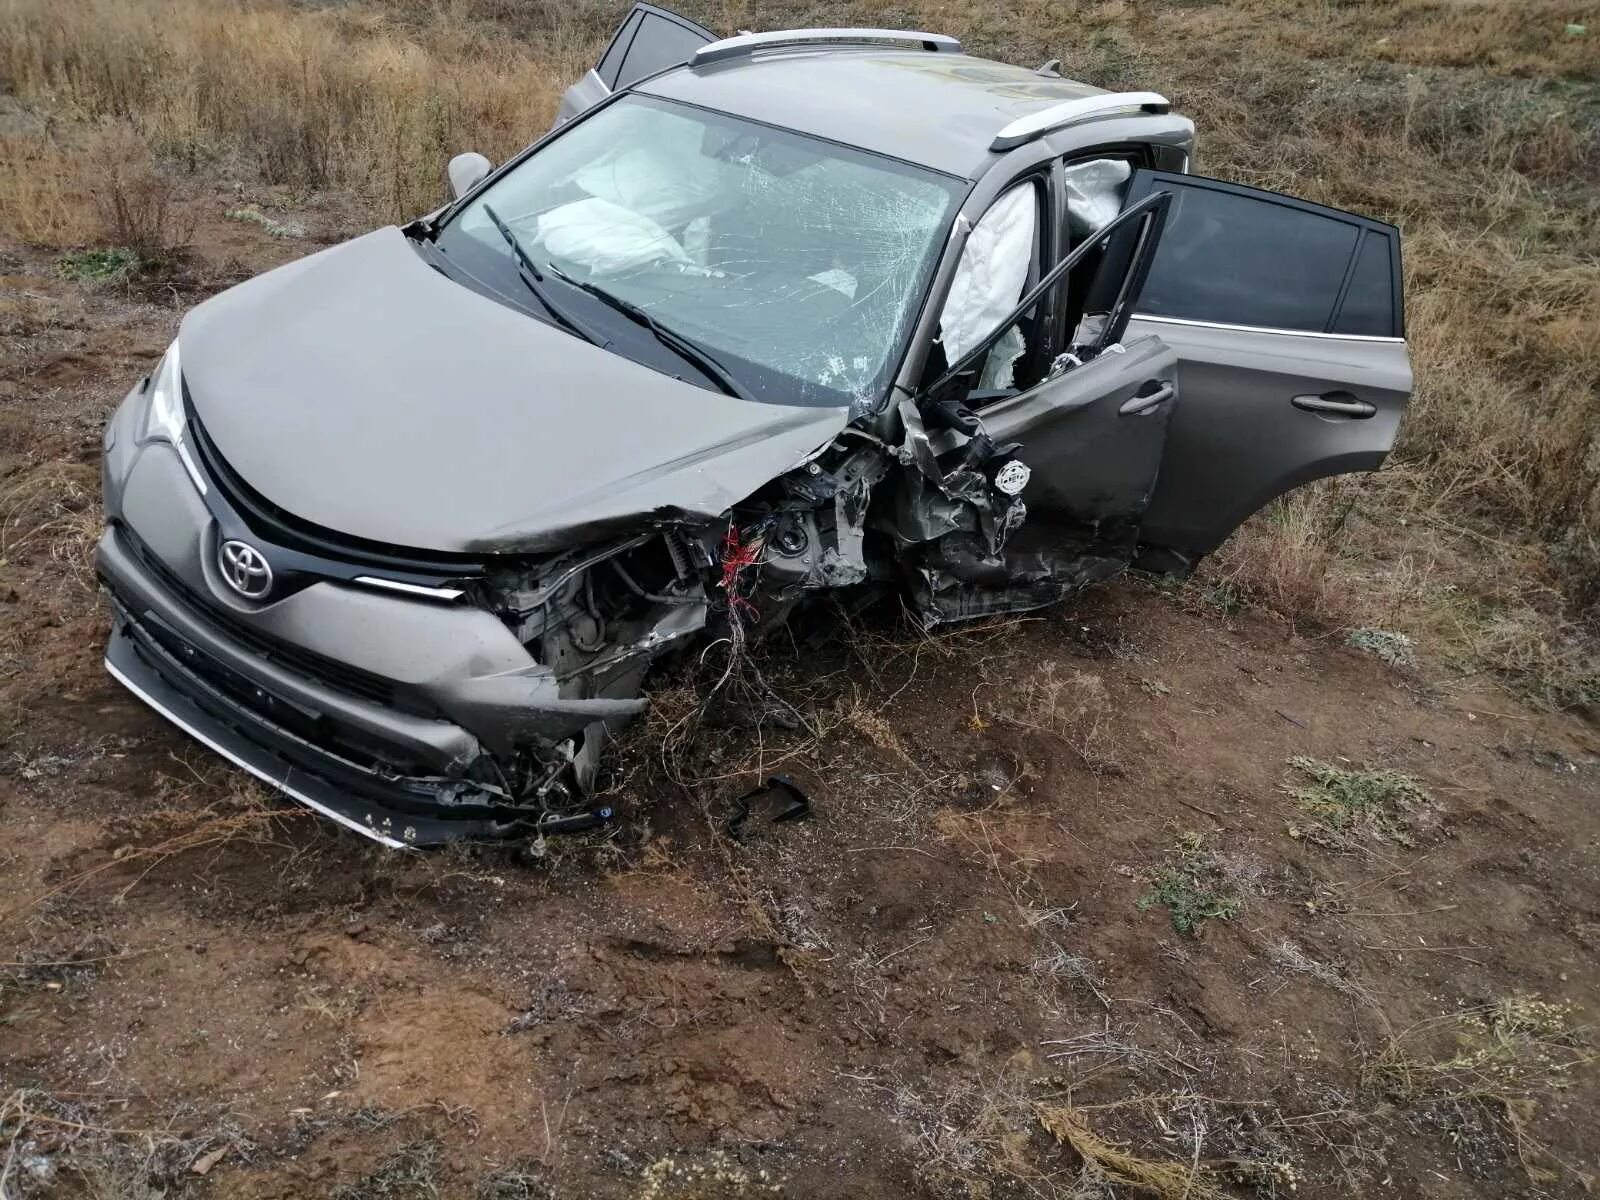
916 299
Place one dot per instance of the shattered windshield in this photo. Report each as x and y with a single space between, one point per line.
799 263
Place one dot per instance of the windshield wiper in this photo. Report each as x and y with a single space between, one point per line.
691 352
535 281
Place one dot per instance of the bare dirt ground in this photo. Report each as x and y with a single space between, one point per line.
1057 925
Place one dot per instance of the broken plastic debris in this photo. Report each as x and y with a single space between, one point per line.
782 796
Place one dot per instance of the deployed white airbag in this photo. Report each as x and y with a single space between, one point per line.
989 280
1094 193
658 168
606 238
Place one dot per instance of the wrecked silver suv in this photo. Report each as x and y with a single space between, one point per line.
401 527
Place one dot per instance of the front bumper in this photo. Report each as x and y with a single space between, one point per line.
397 778
397 717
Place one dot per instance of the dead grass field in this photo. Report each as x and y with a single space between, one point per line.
1282 881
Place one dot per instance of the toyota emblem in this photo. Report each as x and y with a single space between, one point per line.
245 569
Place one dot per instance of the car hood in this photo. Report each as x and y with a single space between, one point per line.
360 390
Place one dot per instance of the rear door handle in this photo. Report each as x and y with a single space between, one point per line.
1339 404
1139 406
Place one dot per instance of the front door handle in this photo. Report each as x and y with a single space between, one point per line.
1139 406
1339 404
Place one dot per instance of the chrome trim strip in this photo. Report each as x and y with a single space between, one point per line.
411 589
182 447
749 43
178 441
347 822
1338 337
1071 112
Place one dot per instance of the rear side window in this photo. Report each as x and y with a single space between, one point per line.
1233 255
659 43
1369 302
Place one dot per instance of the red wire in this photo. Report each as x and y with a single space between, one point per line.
737 555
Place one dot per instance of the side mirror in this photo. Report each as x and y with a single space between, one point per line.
465 172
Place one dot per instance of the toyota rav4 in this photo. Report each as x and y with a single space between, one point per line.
401 527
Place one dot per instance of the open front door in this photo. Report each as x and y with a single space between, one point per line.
1288 325
1091 434
1093 437
650 39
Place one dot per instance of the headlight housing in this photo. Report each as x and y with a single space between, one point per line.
165 420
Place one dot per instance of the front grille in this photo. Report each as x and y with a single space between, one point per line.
331 673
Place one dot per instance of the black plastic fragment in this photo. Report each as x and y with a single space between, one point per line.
781 797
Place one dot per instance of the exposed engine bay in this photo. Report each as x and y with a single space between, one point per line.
858 514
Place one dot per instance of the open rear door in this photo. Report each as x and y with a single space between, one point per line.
649 40
1288 325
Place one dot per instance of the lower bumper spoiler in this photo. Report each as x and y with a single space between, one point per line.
388 827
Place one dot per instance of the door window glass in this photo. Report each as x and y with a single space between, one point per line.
1369 305
659 44
611 61
1247 260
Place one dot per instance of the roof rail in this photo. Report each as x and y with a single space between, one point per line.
1071 112
749 43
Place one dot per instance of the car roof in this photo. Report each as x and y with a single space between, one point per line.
937 110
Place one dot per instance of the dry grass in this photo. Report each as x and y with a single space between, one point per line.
52 512
972 1139
1285 557
1119 1166
42 201
1477 129
60 1146
193 816
1518 1046
344 98
1511 1054
1073 705
135 200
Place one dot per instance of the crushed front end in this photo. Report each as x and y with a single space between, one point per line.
420 698
416 699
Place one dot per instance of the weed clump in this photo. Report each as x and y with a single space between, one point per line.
1194 890
1516 1045
1386 805
1396 649
512 1185
101 265
1117 1165
137 201
1506 1055
251 215
410 1173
